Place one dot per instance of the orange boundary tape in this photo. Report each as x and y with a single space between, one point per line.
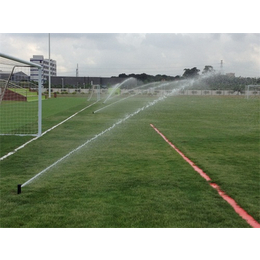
241 212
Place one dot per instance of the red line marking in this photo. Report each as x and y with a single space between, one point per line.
241 212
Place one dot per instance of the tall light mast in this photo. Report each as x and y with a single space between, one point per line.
49 66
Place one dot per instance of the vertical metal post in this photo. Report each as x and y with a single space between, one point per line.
49 66
98 93
247 92
40 102
221 67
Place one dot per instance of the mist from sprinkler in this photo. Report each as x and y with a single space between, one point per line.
118 86
133 89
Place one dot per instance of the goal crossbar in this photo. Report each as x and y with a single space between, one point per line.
31 64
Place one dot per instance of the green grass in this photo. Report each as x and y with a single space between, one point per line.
20 117
30 95
22 91
54 111
130 177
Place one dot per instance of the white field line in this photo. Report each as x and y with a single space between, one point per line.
22 146
95 137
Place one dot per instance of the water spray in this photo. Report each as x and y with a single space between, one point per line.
161 98
92 139
113 103
118 86
145 85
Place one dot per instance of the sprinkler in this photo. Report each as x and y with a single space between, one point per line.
19 188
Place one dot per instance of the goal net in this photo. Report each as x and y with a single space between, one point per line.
20 98
252 91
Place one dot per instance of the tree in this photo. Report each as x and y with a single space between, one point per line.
123 75
190 73
208 69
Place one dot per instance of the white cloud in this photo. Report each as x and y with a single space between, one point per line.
108 54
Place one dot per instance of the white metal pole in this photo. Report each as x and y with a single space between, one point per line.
49 66
98 93
40 102
19 60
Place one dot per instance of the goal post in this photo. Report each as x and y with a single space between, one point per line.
20 98
252 91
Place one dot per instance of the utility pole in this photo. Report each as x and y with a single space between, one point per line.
77 71
221 66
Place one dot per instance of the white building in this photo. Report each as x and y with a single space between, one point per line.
39 59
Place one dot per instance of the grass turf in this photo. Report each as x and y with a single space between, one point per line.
30 95
53 112
129 177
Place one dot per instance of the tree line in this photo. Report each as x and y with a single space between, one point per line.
214 81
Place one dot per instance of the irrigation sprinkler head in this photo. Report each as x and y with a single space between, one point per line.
19 188
93 112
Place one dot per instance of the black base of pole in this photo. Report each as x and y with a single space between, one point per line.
19 188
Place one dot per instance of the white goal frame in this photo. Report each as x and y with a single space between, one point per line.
28 64
249 93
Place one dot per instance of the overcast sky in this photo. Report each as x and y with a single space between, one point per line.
109 54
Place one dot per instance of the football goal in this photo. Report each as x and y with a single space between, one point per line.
252 91
20 98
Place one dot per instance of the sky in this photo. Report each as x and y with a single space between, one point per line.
110 54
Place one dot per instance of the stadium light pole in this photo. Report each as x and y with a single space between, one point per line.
40 102
49 66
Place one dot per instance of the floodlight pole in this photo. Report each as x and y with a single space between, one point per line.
49 66
40 102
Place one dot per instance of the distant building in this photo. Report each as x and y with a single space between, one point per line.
17 76
4 75
231 75
20 76
39 59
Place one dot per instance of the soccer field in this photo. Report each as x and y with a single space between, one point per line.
123 174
